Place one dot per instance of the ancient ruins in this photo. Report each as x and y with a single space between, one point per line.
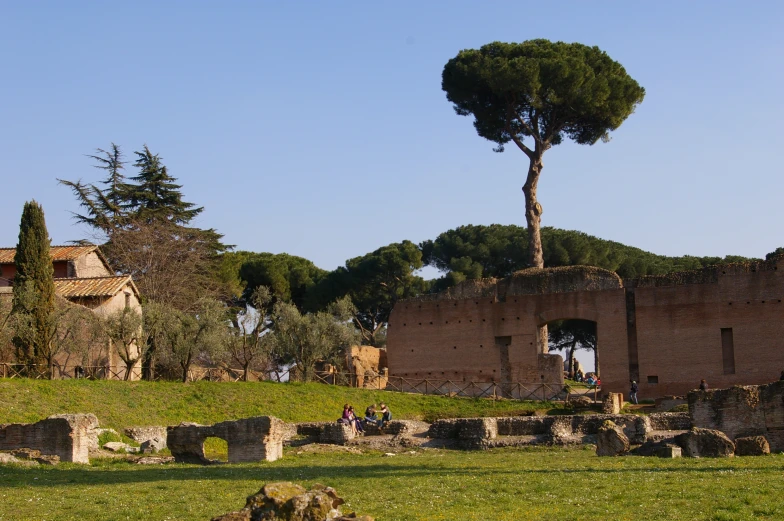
66 436
666 332
249 440
741 420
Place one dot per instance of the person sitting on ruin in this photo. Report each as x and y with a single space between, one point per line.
370 415
386 416
703 385
344 418
781 378
356 425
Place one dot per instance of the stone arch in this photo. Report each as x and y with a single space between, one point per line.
569 313
563 314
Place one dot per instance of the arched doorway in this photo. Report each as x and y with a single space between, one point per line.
570 337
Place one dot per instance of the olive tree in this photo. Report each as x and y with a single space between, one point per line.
309 338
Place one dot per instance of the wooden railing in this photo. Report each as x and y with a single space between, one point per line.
449 388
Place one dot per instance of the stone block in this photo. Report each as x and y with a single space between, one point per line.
611 441
669 452
142 434
612 403
153 445
752 446
336 434
700 443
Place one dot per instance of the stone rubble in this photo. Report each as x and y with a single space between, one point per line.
611 441
286 501
752 446
701 443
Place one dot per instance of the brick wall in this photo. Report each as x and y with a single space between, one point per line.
668 334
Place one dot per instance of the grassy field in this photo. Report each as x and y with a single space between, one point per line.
125 404
509 484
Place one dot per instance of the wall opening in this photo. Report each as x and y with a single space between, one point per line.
216 449
502 343
727 350
574 337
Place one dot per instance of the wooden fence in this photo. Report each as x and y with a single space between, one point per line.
448 388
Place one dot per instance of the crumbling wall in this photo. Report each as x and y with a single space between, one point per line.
564 279
369 365
63 435
741 411
249 440
480 432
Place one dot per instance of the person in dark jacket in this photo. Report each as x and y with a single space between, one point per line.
703 385
633 392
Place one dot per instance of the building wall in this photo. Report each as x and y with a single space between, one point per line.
728 328
112 305
680 333
89 265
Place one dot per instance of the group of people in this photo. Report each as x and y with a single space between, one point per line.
358 425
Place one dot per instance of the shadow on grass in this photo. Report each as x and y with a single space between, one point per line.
120 474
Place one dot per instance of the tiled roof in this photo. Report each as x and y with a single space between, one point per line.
58 253
93 286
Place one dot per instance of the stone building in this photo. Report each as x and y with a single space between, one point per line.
82 276
723 323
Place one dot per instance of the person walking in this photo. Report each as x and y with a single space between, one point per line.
633 392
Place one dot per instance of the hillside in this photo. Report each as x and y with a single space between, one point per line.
124 404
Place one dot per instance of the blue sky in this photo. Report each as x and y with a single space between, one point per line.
320 129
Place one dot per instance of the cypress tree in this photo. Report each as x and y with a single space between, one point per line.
33 288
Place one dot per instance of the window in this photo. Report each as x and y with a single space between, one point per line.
727 350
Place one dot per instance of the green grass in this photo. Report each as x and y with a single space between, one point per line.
509 484
125 404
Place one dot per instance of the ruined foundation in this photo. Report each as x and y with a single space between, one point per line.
62 435
249 440
742 411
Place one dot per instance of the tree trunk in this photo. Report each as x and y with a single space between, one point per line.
596 360
571 359
129 368
533 213
533 218
245 372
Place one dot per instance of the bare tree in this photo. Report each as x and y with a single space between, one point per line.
248 341
170 264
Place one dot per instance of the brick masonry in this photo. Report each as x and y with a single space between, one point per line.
724 324
63 435
249 440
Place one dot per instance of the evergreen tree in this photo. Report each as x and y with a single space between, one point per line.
156 196
106 208
33 297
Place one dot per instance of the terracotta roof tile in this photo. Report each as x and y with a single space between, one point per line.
59 253
93 287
